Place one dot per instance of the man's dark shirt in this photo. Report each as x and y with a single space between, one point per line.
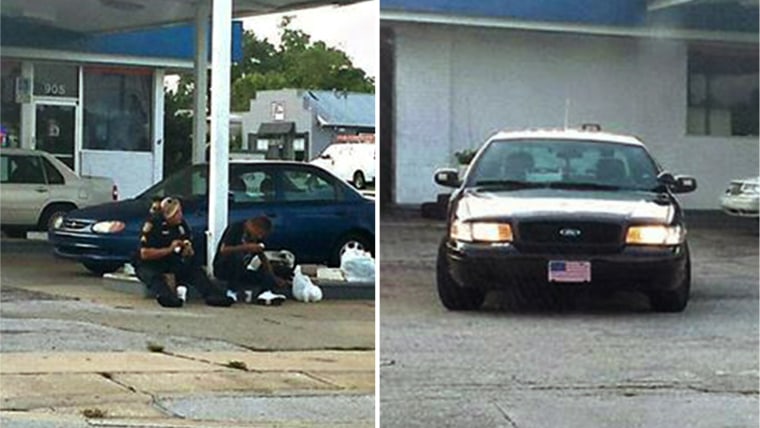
234 235
157 233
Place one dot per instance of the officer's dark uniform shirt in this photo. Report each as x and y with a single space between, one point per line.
157 233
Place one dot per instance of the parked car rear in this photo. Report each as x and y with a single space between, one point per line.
37 189
352 162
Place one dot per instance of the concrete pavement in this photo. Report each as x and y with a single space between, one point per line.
148 386
75 354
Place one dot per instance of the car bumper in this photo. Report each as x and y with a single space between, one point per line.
499 267
740 205
94 248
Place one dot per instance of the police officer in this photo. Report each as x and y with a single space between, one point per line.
165 257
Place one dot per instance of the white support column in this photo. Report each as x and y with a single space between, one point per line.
28 113
221 41
200 92
158 125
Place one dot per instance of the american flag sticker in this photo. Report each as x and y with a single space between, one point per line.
569 271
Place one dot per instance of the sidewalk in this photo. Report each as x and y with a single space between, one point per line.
77 354
334 388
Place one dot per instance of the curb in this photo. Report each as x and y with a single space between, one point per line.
331 290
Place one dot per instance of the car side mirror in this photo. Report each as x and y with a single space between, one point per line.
685 184
677 184
447 177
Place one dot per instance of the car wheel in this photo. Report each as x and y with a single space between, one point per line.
100 268
673 300
356 241
52 213
359 181
452 296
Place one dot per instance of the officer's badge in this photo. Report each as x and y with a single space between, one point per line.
147 227
181 230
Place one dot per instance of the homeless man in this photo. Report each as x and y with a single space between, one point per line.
165 258
240 260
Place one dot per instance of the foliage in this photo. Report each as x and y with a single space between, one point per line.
465 156
296 62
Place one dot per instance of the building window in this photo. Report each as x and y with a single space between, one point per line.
723 91
118 105
10 110
55 80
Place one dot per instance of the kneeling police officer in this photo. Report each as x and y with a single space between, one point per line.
165 258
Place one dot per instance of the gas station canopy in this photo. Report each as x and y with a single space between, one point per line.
98 16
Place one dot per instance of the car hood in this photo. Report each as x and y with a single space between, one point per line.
121 210
630 206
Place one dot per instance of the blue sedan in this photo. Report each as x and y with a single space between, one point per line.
315 215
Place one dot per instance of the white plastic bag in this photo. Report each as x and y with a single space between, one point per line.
303 289
357 266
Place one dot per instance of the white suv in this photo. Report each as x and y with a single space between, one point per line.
352 162
37 189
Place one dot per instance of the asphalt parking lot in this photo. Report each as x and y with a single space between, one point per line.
608 362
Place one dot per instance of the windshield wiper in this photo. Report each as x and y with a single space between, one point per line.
582 186
507 184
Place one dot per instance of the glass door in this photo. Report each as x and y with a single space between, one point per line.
55 131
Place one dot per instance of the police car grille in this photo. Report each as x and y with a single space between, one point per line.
569 233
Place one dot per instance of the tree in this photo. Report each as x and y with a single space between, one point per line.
296 62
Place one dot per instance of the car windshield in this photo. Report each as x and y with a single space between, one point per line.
570 164
187 183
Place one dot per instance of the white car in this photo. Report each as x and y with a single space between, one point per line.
352 162
741 197
36 189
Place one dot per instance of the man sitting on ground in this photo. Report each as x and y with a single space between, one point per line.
165 258
240 260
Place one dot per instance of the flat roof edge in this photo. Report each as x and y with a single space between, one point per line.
95 58
600 30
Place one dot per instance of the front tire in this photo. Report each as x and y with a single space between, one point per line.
674 300
452 296
359 181
51 213
101 268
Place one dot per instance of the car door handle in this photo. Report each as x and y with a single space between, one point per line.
41 190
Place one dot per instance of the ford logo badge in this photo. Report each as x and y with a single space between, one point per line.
570 232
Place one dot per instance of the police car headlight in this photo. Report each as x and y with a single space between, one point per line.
481 231
108 227
655 235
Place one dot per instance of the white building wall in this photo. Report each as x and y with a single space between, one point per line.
423 110
456 86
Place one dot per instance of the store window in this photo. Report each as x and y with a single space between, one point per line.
10 110
118 107
56 80
723 91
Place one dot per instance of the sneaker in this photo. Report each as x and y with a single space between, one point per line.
232 295
268 298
